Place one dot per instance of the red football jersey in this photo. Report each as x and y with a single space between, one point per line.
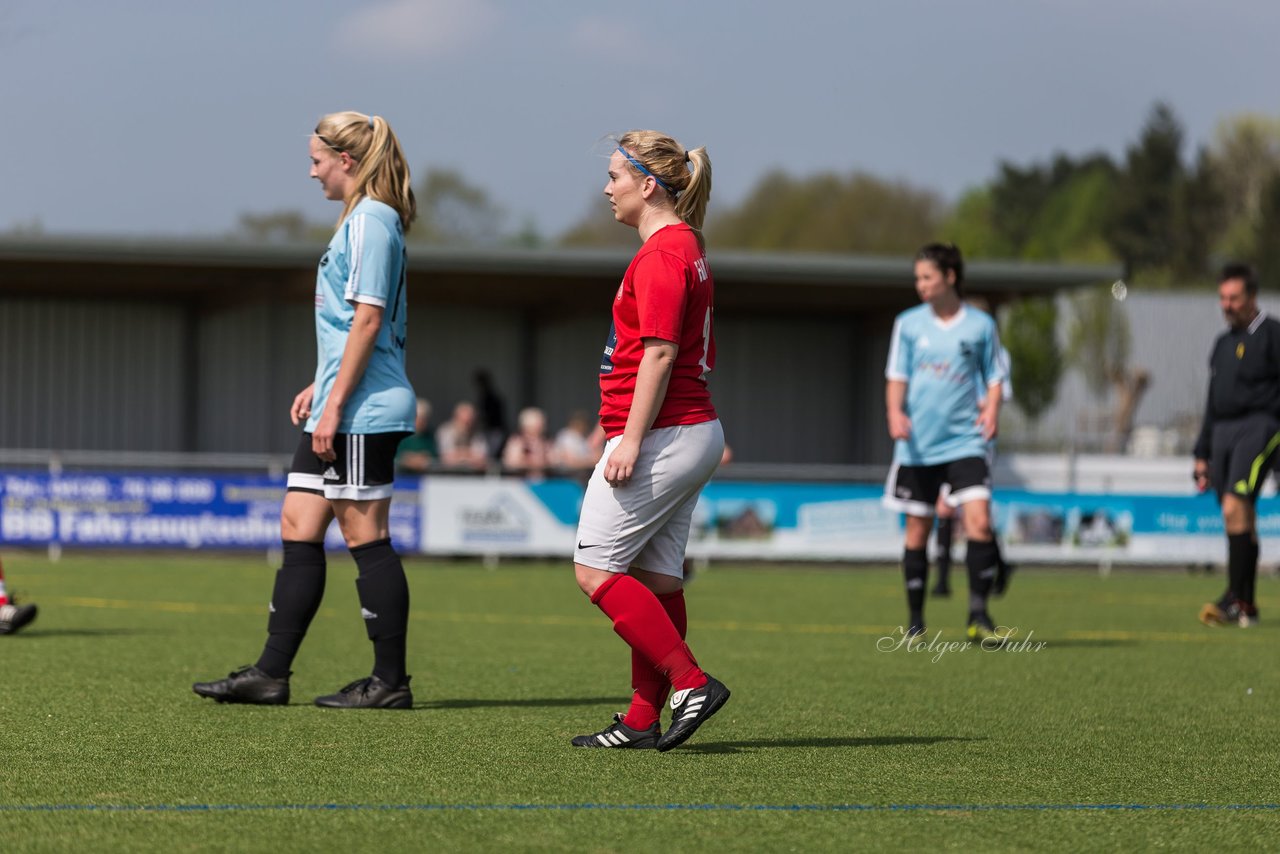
666 293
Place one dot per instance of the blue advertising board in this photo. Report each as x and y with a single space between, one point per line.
186 511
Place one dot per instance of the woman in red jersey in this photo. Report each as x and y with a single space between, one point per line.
663 439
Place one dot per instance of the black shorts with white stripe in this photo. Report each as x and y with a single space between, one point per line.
914 490
363 471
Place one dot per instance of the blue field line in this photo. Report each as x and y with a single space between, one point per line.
207 808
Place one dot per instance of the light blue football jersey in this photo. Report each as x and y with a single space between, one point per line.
948 367
365 262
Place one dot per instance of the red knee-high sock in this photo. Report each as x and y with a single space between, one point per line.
651 687
4 597
640 620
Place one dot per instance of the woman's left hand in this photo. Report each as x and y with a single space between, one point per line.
621 463
988 424
322 437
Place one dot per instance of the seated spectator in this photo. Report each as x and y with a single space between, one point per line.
573 444
528 450
417 452
460 441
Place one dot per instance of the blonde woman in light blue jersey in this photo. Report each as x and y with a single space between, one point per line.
354 415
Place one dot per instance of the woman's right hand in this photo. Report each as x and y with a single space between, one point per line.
301 409
899 425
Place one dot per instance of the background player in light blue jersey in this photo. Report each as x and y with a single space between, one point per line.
356 412
943 360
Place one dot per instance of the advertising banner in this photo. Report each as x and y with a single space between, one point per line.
444 515
163 511
797 521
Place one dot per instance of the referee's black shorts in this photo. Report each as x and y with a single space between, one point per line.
1244 452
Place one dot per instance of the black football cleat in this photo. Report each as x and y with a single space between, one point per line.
369 693
14 617
619 734
690 709
246 685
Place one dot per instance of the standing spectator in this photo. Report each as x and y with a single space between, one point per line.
355 414
419 451
1240 435
460 441
664 440
573 449
943 358
528 450
492 412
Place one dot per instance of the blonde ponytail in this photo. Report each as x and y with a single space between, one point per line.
383 173
685 175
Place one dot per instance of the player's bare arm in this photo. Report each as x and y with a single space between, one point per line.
989 414
652 378
300 411
355 358
895 393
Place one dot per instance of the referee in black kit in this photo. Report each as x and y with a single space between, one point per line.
1241 434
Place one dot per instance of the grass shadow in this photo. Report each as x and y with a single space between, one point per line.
81 633
825 742
533 702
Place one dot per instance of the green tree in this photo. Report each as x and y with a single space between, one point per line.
1167 216
1098 346
1052 211
454 212
1070 224
1198 219
830 213
1029 333
598 228
1267 235
971 226
1245 157
1017 196
280 227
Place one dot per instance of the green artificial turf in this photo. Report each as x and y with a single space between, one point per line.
1118 723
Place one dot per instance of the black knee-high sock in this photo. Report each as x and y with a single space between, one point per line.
1242 565
995 543
943 541
980 559
294 601
915 569
384 604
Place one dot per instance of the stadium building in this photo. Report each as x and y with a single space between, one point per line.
165 346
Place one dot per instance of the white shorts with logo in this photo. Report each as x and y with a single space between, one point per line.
645 524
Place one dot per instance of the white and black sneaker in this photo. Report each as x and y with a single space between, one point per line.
14 617
690 709
619 734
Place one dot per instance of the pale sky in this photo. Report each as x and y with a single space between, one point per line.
169 117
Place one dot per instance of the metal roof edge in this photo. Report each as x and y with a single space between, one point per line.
817 268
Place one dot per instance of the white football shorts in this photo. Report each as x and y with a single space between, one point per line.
645 524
